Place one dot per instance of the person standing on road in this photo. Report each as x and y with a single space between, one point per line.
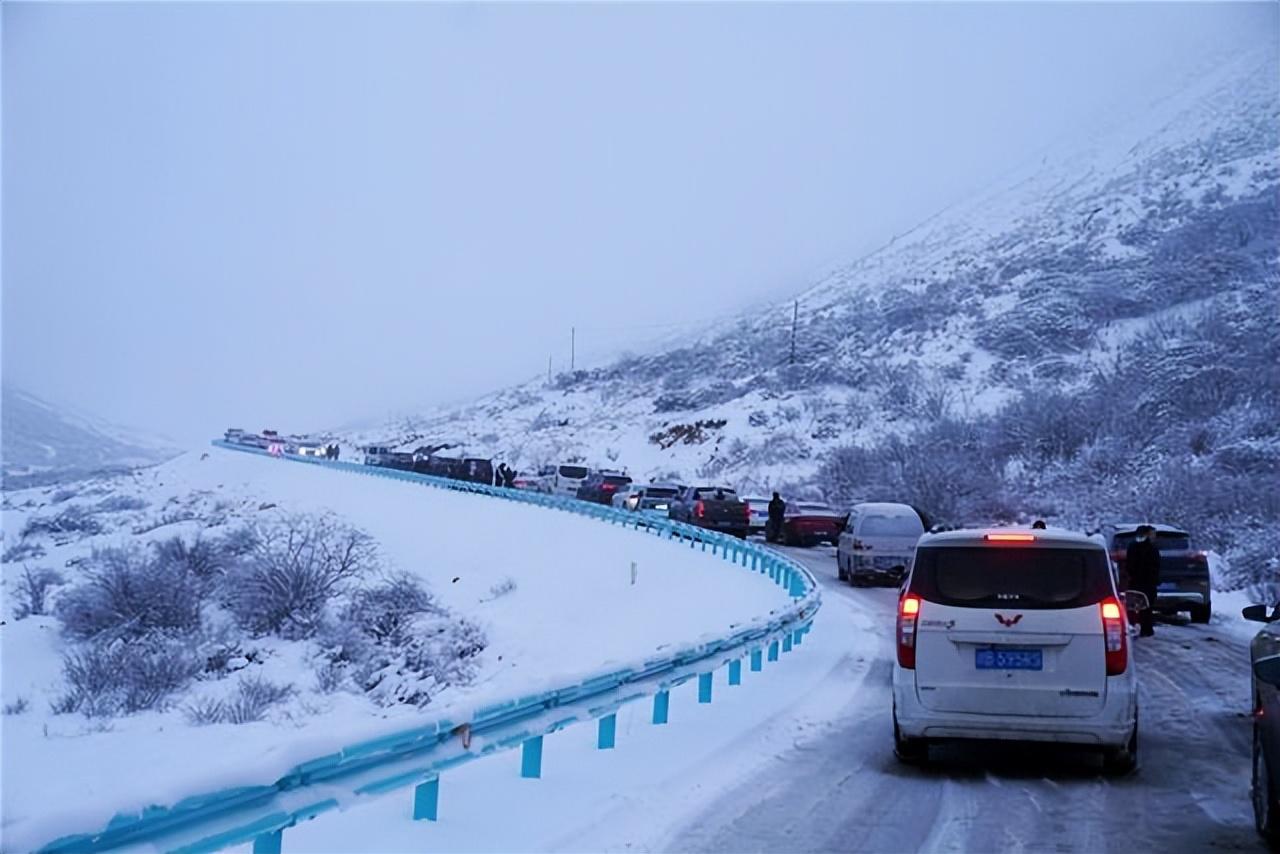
508 476
1142 566
777 509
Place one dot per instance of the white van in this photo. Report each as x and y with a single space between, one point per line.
1014 634
877 543
377 455
567 479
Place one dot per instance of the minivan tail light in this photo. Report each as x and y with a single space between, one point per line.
1116 636
908 615
700 509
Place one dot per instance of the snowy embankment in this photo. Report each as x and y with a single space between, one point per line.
553 594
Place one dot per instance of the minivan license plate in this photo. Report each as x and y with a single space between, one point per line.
1009 659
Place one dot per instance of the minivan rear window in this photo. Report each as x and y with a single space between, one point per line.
712 493
659 492
574 472
1034 579
616 480
891 526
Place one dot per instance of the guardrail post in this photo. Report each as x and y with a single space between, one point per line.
531 758
661 706
735 672
757 661
704 687
608 732
797 586
755 561
269 842
773 651
799 633
426 800
786 642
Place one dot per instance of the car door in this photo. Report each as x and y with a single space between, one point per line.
844 546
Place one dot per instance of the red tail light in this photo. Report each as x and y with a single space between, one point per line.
908 614
1116 635
699 509
746 509
608 487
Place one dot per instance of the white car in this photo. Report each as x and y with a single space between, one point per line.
758 510
877 543
1014 634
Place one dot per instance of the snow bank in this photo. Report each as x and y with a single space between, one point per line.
574 610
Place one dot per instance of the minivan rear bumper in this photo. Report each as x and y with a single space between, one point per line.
1110 727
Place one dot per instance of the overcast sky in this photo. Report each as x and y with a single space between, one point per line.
298 215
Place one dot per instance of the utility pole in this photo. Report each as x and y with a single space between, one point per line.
795 316
548 369
573 343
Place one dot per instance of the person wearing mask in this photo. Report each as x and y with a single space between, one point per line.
1142 566
773 527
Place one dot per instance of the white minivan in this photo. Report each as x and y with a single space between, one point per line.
1014 634
567 479
877 543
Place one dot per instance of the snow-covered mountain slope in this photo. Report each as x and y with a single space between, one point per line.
42 443
1157 221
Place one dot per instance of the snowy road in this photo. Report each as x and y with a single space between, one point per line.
840 789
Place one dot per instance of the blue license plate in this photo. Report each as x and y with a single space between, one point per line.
1009 659
1168 585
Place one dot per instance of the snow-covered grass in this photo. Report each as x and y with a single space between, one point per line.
552 593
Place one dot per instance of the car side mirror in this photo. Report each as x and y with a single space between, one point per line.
1268 670
1257 613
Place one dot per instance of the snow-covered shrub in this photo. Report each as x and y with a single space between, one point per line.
502 588
203 559
32 590
440 653
63 495
129 593
293 571
23 550
253 698
386 611
120 504
71 520
17 707
109 677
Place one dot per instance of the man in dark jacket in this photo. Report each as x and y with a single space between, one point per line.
1142 566
508 476
773 528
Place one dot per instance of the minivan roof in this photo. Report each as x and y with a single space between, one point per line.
1040 538
886 507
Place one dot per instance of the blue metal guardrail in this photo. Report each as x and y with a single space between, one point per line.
417 756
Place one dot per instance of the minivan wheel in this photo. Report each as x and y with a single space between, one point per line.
1201 613
910 751
840 573
1266 816
1117 761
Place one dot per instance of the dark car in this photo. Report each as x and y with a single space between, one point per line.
1184 570
1265 656
399 460
477 470
717 508
601 486
809 523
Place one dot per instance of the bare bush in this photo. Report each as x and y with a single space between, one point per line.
386 611
32 591
120 504
114 677
201 558
24 550
17 707
70 520
129 593
254 697
293 571
502 588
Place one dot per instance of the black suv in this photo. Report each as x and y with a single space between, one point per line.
1184 570
600 487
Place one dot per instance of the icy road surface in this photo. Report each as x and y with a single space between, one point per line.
840 788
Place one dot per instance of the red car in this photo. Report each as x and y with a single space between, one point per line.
806 524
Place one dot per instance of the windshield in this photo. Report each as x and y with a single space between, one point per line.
713 493
1032 578
573 472
659 492
891 526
